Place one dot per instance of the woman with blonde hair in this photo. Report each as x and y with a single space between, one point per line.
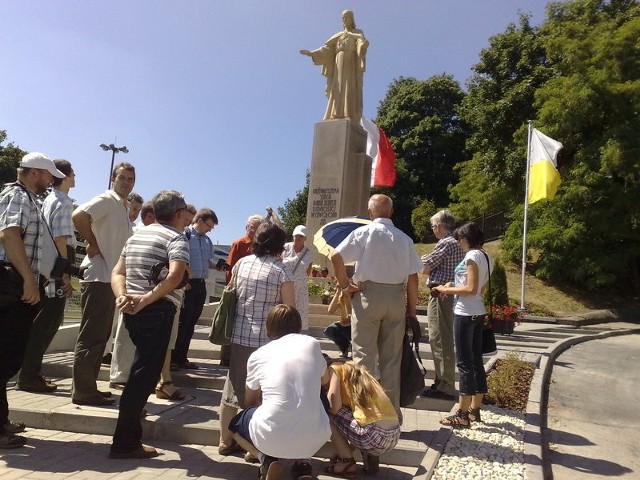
362 417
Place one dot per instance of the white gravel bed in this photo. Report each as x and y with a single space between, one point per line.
493 449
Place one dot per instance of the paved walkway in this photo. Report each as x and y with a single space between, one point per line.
52 455
593 420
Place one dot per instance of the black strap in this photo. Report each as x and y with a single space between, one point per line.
489 270
40 214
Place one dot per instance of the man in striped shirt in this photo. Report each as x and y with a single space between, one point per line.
148 308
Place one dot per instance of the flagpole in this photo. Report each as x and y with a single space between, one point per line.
526 211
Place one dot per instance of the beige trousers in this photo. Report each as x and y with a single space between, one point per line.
377 330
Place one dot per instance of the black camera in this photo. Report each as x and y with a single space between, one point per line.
223 265
62 266
434 293
159 272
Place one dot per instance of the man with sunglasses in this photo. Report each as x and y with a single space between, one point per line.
202 258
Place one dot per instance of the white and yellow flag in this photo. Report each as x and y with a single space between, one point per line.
543 174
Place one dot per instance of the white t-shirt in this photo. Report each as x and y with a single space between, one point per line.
291 422
471 304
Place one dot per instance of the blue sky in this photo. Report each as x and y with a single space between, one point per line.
211 97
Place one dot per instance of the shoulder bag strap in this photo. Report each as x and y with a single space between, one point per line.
304 253
489 274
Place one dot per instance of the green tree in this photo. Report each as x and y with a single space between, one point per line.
420 118
421 220
499 289
10 156
499 102
590 233
294 210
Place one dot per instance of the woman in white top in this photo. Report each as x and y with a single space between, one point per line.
468 320
297 257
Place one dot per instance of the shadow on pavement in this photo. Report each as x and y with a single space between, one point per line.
582 464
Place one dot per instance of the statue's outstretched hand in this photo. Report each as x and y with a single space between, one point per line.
305 52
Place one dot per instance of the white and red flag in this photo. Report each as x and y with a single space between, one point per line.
383 166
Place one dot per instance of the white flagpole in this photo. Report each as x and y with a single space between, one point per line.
526 211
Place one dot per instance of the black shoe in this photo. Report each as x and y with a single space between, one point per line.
38 385
435 393
95 399
301 471
13 427
10 440
106 360
141 452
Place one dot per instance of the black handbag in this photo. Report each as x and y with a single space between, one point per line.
412 372
11 284
488 336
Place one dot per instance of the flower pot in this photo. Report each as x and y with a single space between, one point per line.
502 326
324 273
315 300
314 273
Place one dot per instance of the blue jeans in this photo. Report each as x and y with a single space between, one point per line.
467 333
149 330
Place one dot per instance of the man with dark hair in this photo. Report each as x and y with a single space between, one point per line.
439 265
147 217
26 251
284 416
56 209
202 255
104 224
148 311
135 205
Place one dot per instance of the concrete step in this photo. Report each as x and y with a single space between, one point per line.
194 420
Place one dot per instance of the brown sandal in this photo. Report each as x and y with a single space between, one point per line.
474 414
457 420
346 472
176 395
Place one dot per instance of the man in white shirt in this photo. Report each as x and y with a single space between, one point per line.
386 261
104 223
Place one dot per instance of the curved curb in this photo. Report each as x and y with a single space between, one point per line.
434 452
536 413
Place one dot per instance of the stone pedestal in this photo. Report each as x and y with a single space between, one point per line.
340 176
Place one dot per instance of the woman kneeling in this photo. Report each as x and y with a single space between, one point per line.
362 417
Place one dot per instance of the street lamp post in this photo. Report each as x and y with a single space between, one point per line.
114 150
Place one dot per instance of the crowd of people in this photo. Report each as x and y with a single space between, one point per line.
144 287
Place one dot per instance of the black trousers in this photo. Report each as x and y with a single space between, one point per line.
15 326
44 328
149 330
193 302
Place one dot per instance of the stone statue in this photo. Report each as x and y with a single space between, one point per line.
343 60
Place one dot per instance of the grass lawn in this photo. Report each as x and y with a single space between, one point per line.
541 298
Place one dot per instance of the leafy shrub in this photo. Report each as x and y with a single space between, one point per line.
508 383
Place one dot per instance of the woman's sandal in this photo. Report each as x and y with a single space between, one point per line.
457 420
349 471
176 395
474 414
